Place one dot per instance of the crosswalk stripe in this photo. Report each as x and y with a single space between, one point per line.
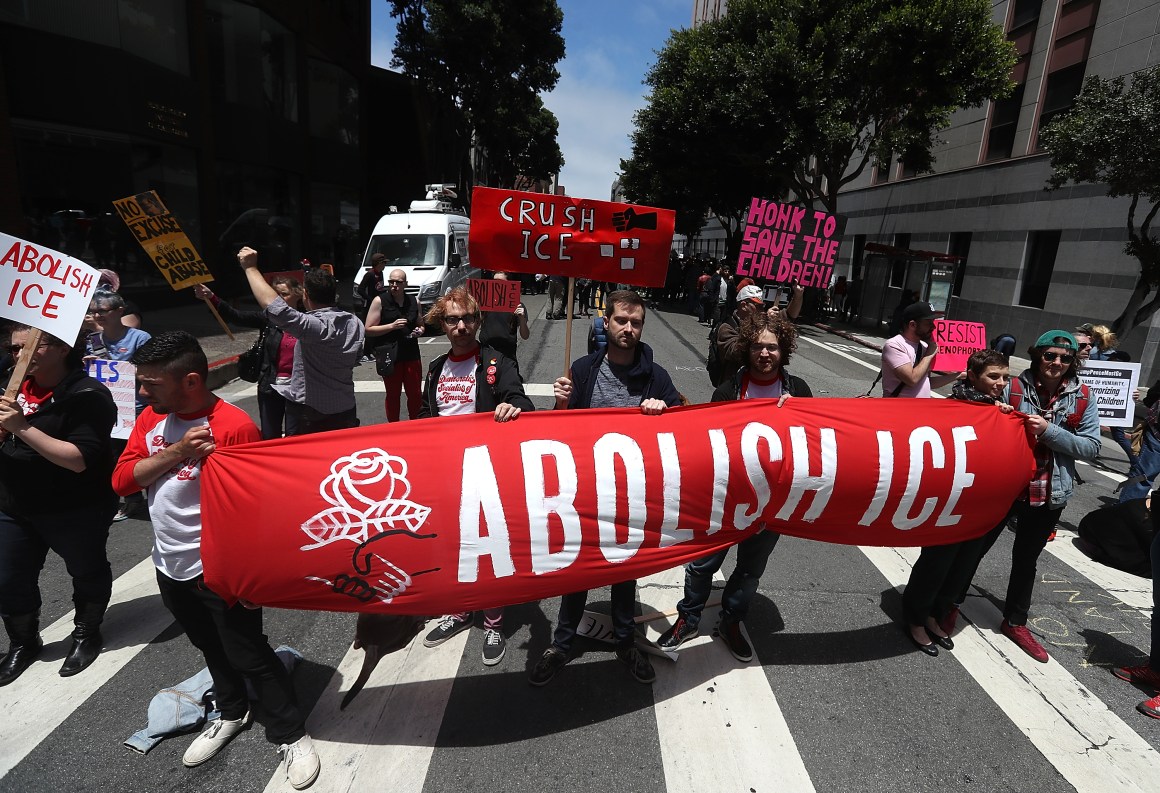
40 700
708 699
1132 590
1091 747
387 735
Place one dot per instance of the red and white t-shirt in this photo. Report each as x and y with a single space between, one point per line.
32 396
175 498
455 388
752 388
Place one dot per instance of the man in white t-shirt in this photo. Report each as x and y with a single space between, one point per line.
907 358
183 423
471 378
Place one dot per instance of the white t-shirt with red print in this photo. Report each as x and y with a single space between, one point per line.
455 388
175 498
753 388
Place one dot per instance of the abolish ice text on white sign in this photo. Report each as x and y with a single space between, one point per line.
43 288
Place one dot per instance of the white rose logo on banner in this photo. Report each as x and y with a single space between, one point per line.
368 492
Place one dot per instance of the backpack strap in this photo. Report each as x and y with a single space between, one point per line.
1081 404
1016 392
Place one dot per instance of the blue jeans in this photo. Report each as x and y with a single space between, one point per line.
1147 466
752 555
272 413
623 616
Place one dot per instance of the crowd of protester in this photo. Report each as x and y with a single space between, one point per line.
56 438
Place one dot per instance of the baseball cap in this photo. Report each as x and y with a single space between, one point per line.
1057 338
918 311
751 292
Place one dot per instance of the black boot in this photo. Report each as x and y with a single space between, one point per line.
25 645
87 640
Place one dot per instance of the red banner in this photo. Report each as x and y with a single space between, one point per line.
461 513
522 232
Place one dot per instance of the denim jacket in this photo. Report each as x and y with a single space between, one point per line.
1067 445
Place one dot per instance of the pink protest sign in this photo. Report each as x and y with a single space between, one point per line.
956 341
784 244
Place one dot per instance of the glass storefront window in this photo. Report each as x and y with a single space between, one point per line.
333 102
252 58
151 29
260 207
334 226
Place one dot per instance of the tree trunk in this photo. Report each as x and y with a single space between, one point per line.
1136 312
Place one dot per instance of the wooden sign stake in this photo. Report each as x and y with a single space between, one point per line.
568 329
21 369
218 317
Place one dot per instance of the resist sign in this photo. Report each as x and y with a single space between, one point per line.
495 295
522 232
44 288
785 243
956 341
162 238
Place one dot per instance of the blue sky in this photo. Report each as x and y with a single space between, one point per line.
610 44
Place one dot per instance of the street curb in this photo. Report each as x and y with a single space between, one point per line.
222 372
848 336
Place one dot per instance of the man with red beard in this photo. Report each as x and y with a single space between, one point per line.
470 379
621 375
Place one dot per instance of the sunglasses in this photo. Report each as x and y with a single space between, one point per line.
1064 358
1085 346
451 321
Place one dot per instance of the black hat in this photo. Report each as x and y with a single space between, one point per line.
919 311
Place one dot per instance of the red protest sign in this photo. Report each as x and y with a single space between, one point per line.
783 243
495 294
523 232
956 341
556 502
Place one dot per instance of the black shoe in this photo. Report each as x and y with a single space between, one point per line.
944 642
24 634
546 668
677 635
639 666
930 649
85 650
730 632
447 627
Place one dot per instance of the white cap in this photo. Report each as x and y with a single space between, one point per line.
751 292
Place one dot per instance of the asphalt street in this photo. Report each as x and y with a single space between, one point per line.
836 699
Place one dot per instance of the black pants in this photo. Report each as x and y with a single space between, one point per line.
623 613
941 573
77 536
307 420
1034 527
235 649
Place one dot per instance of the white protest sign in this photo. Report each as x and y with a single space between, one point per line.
43 288
120 377
1112 384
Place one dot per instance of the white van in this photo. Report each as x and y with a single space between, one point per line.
429 244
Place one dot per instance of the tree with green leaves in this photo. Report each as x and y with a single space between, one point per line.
487 61
802 95
1110 137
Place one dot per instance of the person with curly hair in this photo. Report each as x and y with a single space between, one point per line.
768 340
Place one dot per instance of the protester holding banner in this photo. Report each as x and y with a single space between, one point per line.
471 378
393 330
1105 341
731 351
115 341
907 358
321 388
1063 420
769 341
55 462
942 572
183 424
1148 673
621 375
277 361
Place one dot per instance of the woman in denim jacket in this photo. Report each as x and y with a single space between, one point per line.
1063 421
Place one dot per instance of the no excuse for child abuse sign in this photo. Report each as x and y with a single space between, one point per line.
161 236
784 243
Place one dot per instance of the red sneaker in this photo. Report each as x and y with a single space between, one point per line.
948 622
1027 643
1139 674
1051 536
1150 707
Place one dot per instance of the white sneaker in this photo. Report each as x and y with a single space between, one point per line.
213 740
302 763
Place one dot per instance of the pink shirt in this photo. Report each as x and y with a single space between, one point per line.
285 356
896 352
